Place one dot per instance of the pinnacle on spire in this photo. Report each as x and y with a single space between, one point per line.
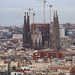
28 22
56 12
54 16
25 13
25 20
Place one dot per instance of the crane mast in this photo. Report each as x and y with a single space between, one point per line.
44 1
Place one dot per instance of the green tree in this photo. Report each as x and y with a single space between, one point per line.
13 68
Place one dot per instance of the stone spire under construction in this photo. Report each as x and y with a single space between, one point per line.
55 33
26 32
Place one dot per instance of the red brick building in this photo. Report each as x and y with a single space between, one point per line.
47 54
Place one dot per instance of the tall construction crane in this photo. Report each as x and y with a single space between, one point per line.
50 23
33 28
50 16
44 1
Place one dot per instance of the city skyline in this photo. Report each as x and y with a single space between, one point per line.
12 12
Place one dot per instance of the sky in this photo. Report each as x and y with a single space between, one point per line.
12 11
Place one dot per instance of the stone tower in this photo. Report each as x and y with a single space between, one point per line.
55 33
26 32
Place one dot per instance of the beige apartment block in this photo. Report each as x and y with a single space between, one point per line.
14 63
17 64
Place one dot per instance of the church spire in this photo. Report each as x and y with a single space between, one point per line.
54 16
28 27
24 32
25 20
55 33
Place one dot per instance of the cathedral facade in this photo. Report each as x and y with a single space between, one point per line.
37 39
41 34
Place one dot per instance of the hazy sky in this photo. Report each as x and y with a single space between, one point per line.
12 12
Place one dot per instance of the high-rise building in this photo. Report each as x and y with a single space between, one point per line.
55 33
